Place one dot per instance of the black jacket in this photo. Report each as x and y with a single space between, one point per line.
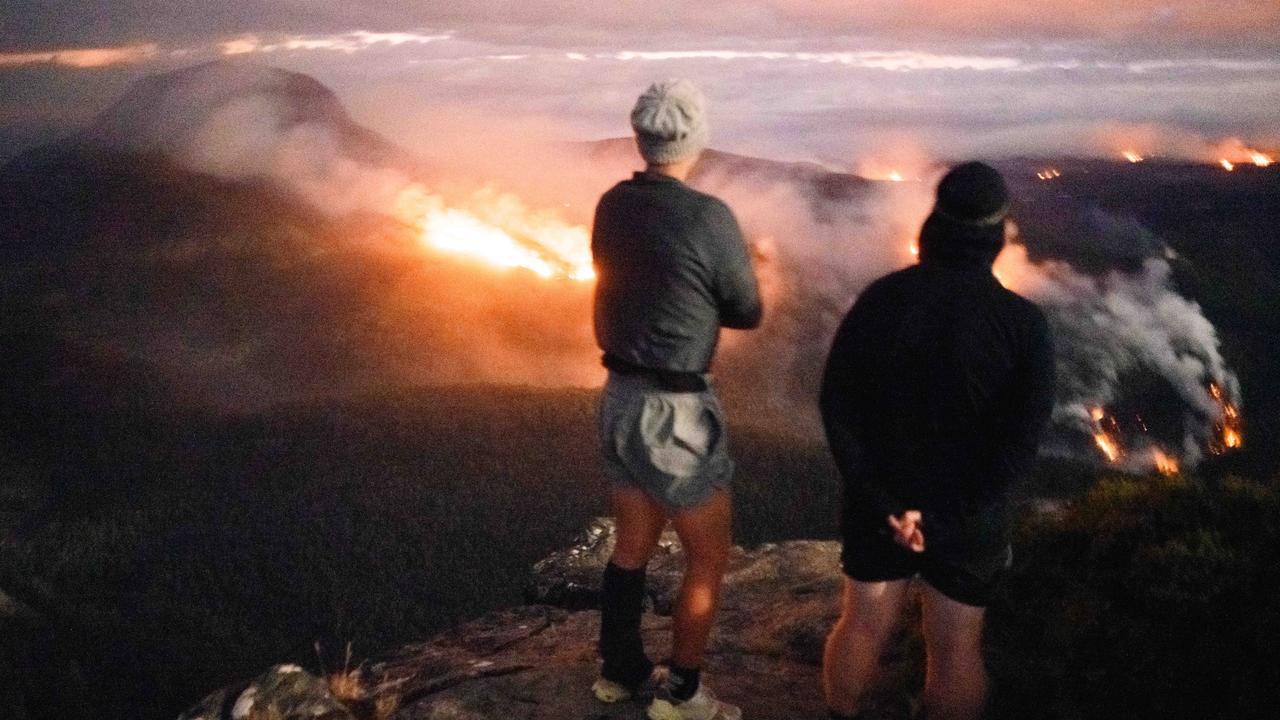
938 386
672 268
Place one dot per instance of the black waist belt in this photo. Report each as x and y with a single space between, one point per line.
669 380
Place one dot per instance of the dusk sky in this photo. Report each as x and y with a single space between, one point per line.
818 80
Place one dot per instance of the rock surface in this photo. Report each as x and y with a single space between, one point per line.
284 691
539 660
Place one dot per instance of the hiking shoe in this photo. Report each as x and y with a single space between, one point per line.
608 691
702 706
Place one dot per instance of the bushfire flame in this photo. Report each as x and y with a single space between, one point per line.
497 230
1104 434
896 170
1165 464
1133 156
1049 174
1230 434
1250 156
1232 153
1107 437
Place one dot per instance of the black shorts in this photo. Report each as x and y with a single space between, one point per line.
964 557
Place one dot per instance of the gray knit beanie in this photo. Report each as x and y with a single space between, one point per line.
670 122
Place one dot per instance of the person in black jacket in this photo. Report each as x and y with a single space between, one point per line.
937 388
672 269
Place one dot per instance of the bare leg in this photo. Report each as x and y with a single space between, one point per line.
955 685
705 533
640 522
870 614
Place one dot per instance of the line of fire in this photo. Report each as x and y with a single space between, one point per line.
497 230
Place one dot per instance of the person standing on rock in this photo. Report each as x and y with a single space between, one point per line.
937 388
672 269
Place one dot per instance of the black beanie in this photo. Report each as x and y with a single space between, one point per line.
973 194
966 227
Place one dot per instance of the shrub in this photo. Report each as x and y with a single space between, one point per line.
1151 598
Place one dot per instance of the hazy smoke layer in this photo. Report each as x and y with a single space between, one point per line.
817 245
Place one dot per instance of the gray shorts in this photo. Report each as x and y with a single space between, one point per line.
671 445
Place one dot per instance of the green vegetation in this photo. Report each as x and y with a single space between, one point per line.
1145 598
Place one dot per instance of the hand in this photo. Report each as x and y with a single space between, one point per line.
908 530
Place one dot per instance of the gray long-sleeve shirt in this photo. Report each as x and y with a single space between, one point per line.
672 269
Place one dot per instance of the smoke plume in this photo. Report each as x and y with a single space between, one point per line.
1109 327
418 314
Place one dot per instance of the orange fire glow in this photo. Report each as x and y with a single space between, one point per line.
1049 174
1107 437
1133 156
898 169
1107 445
1249 156
1165 464
497 230
1233 152
1230 435
1103 437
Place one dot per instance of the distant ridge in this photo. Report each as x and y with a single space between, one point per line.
222 102
820 183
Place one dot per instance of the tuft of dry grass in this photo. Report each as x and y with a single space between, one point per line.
348 687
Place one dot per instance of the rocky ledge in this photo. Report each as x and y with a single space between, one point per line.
539 660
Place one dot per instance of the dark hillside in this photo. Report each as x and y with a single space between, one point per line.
370 522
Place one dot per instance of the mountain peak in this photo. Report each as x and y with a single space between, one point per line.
168 112
227 117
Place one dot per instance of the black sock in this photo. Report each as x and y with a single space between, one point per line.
685 682
621 604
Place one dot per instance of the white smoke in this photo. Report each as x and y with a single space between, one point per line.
1107 327
250 138
817 247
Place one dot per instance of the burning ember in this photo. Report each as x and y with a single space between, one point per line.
1049 174
499 231
1228 428
1165 465
1106 430
1132 156
1107 435
1227 164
